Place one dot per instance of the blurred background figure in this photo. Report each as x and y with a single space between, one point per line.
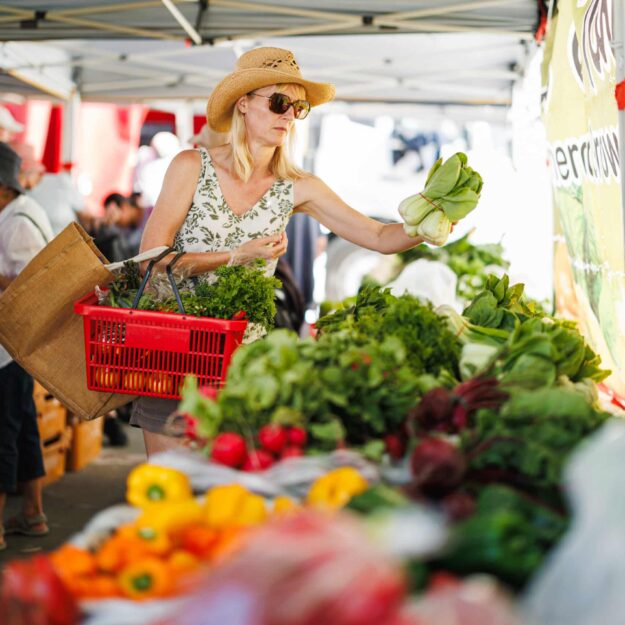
31 170
24 231
150 173
208 138
60 198
118 234
8 125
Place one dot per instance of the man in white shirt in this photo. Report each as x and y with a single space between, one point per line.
24 231
59 197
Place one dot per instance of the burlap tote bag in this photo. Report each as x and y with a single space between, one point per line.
39 328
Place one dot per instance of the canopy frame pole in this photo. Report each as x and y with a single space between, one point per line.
618 47
71 128
183 21
450 8
54 16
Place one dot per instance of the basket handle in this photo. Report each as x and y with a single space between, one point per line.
172 281
148 273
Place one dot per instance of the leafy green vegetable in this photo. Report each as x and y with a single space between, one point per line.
508 536
378 497
239 288
430 346
500 305
126 283
451 192
339 388
527 441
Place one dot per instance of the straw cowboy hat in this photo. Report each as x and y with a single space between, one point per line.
258 68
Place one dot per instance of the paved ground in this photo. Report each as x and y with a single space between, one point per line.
74 499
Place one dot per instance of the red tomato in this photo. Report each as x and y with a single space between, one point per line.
273 438
229 449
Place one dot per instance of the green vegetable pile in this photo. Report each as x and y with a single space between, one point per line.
239 288
510 336
341 390
527 441
507 536
430 346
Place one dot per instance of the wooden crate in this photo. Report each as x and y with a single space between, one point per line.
54 453
86 443
43 399
51 423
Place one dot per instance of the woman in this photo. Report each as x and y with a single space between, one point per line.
231 204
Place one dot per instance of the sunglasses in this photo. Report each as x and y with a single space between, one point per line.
279 103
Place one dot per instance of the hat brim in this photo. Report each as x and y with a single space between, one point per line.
223 98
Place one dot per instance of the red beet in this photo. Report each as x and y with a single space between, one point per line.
395 446
437 467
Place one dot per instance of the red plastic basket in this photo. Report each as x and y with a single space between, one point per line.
149 353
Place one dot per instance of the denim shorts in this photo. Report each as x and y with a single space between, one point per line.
155 414
21 459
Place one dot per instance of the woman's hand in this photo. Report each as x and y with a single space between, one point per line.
268 248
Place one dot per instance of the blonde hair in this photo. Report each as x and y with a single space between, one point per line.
281 165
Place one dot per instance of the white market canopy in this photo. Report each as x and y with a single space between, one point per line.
419 51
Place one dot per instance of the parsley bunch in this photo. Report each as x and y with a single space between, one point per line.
430 346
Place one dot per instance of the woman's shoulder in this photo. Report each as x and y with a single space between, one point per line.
186 164
187 157
307 186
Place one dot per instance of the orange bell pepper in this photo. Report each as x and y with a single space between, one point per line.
71 561
146 579
120 550
199 540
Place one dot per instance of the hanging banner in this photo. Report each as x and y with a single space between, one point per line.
581 119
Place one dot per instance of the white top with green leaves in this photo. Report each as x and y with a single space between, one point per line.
211 226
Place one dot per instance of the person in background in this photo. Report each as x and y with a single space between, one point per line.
8 126
118 235
151 173
60 198
31 170
24 231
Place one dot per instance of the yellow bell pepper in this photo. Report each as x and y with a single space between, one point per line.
148 484
252 511
283 505
169 517
336 488
233 505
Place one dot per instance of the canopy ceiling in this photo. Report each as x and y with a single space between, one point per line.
431 51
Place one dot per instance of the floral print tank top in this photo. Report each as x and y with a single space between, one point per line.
211 226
